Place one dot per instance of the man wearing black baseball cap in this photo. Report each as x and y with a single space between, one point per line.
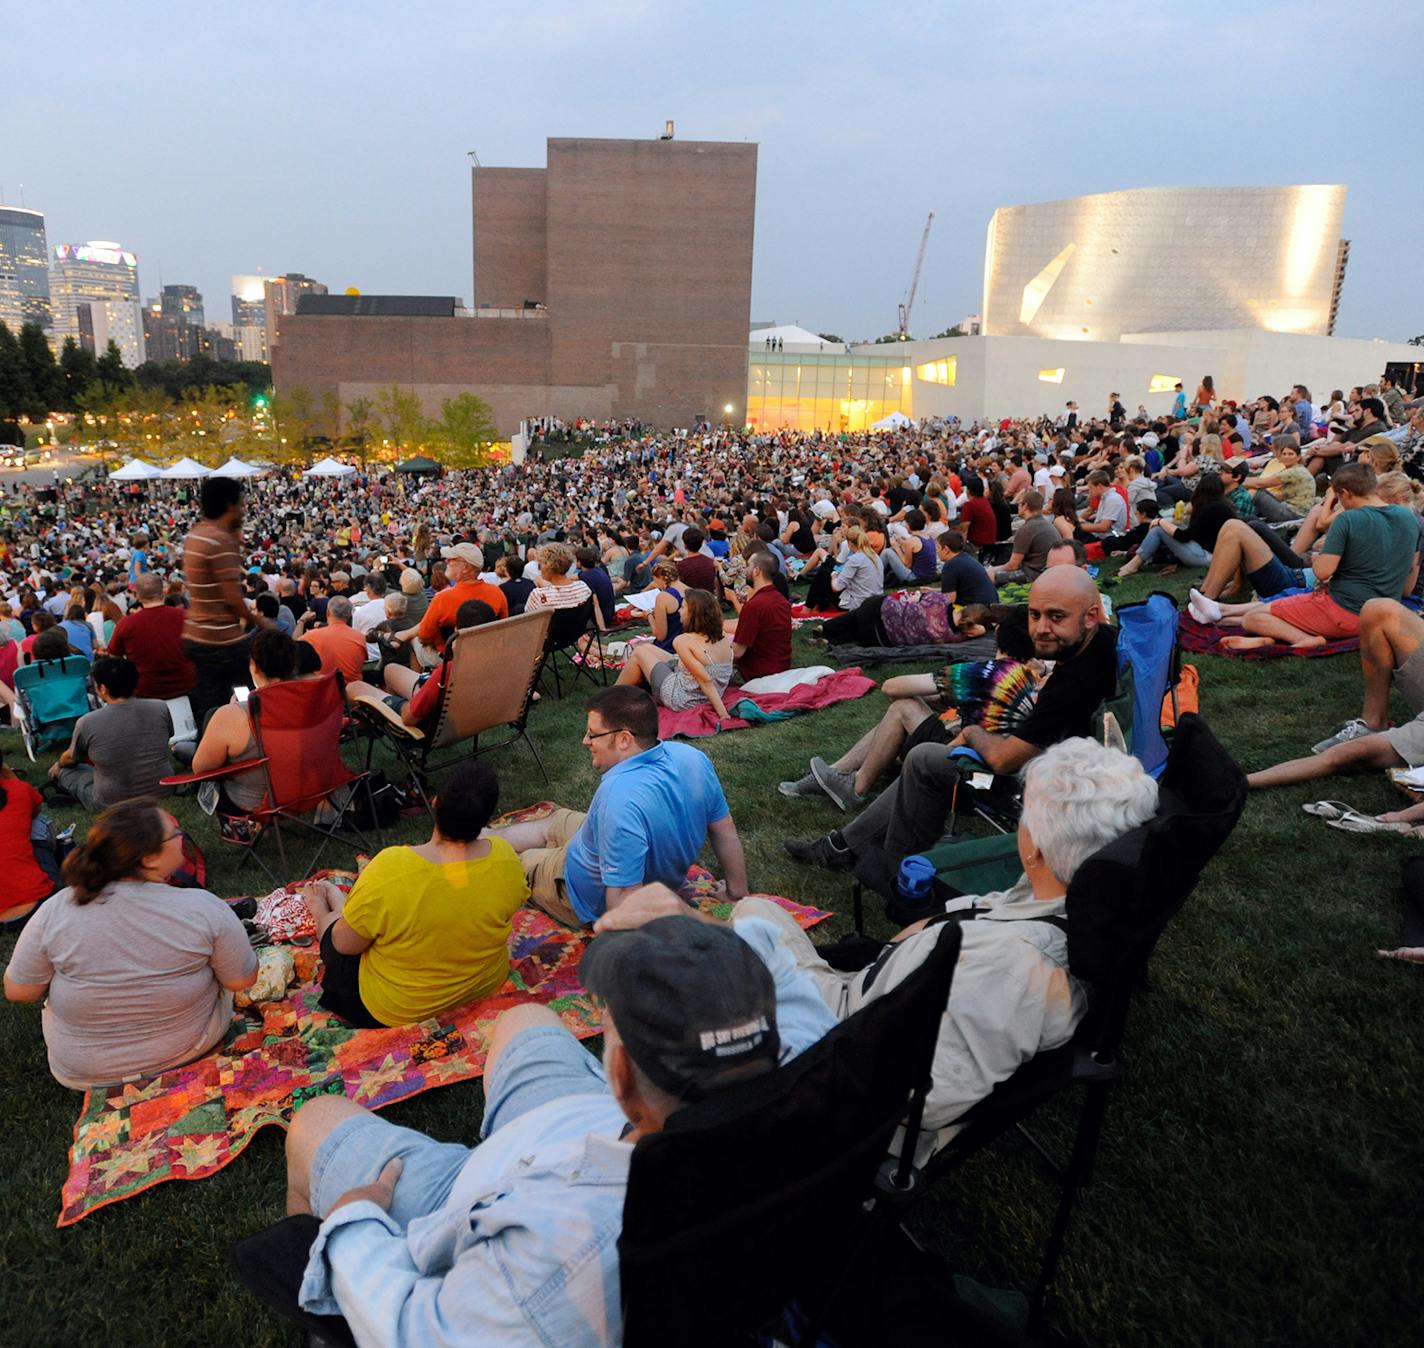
518 1238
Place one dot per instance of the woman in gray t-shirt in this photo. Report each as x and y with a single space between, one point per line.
139 974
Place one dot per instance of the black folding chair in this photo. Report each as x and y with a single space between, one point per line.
574 631
1118 904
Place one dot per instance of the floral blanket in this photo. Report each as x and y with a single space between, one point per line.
189 1123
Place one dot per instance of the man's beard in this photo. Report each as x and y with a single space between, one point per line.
1065 650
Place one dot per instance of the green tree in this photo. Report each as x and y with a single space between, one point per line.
294 422
955 331
399 414
78 369
111 368
15 392
831 337
889 337
46 382
465 431
360 425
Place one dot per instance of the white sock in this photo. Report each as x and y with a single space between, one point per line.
1204 610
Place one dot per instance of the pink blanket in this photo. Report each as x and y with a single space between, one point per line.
841 686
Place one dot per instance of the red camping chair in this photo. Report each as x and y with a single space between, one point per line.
297 729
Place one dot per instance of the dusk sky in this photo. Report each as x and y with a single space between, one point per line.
331 139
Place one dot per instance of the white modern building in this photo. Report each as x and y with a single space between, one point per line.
1167 259
120 322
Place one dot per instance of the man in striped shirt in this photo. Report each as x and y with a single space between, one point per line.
215 630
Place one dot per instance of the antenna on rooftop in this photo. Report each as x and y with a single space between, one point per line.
474 159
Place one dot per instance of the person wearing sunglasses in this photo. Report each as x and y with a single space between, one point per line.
139 975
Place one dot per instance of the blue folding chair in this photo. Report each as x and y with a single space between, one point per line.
50 696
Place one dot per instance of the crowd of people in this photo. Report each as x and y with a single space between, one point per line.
975 539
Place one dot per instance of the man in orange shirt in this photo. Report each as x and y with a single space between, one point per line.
463 564
338 643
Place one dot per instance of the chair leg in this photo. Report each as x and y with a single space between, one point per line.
538 757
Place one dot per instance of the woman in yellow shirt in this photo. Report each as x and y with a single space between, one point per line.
424 928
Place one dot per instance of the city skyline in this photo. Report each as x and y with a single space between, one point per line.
865 121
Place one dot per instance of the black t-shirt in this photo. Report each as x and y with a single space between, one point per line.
899 497
963 577
1073 692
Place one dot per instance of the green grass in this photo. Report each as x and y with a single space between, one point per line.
1258 1178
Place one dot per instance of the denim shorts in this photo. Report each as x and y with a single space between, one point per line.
537 1066
1276 576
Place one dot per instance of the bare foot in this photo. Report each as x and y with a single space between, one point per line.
1309 644
1246 643
1171 569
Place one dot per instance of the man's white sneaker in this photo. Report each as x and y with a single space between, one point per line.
1201 608
1351 730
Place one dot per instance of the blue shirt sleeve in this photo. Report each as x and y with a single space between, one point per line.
802 1016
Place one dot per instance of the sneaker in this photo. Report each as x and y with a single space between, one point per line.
1201 608
1351 730
819 852
838 785
801 788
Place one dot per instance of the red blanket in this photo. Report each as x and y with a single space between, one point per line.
1206 638
841 686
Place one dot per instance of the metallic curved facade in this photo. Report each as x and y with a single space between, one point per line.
1165 259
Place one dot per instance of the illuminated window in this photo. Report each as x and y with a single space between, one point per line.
1051 376
938 371
1163 383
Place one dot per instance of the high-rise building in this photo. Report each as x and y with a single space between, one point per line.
117 321
281 294
184 303
249 301
85 273
24 269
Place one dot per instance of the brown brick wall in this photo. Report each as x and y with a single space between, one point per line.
508 208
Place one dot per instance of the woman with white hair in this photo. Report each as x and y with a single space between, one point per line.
1013 995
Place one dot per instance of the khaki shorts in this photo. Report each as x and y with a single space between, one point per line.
544 868
1409 680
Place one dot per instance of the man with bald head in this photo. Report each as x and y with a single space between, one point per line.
1064 621
152 637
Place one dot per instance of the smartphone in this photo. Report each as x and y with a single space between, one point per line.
240 692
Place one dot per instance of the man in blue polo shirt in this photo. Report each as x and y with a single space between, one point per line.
655 807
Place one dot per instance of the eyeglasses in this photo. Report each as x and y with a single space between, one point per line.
589 736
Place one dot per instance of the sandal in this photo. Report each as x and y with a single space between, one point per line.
1339 815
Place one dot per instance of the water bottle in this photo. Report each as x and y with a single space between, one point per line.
915 881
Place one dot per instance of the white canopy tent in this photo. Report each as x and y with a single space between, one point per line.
235 467
329 467
135 470
891 423
185 468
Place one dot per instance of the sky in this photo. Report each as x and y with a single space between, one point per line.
331 139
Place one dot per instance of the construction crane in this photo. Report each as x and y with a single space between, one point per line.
914 283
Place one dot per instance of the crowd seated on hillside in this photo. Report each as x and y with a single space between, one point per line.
974 546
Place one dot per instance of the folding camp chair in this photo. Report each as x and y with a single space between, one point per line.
1119 902
296 727
489 685
779 1169
573 637
50 696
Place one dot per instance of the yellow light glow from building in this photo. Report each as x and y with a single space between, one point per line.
939 371
1036 291
1051 376
1309 237
1163 383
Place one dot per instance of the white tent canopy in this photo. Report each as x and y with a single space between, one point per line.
135 470
185 468
891 423
235 467
791 338
329 467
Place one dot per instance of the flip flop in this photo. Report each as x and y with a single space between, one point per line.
1328 809
1345 817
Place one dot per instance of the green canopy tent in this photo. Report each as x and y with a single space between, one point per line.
419 464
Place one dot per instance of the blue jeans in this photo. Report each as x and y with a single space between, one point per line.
1188 554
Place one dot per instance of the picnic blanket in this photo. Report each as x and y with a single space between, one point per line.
840 686
972 648
1206 639
189 1123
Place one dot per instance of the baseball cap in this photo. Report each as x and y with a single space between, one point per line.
465 552
691 1001
1056 470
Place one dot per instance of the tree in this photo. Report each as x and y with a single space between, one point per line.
78 369
360 425
294 418
1417 341
400 416
465 431
955 331
111 368
15 392
831 337
889 337
46 382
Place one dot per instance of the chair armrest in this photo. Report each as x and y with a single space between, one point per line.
964 754
377 708
214 774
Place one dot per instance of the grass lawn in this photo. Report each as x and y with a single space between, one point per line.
1258 1177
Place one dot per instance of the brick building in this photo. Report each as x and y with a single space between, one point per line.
615 282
